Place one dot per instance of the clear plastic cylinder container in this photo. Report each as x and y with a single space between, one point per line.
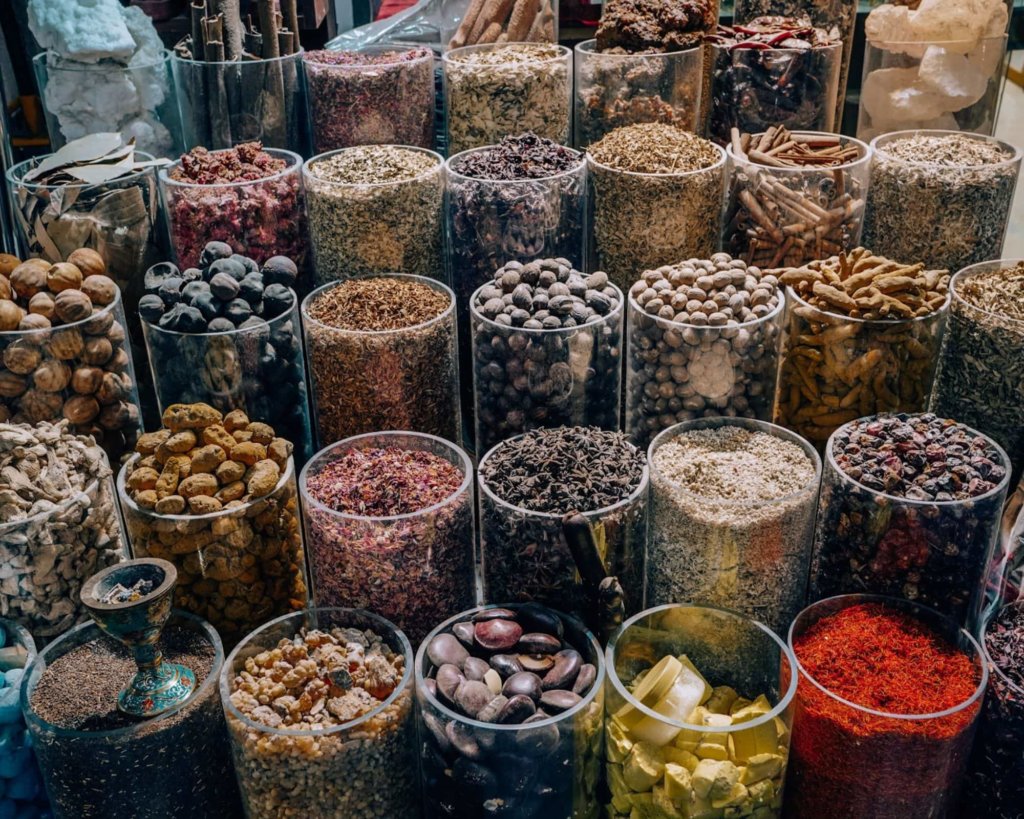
751 556
547 767
462 23
237 568
826 14
413 568
753 89
359 229
641 221
24 793
613 90
919 759
227 103
935 553
385 98
177 764
525 557
947 216
372 380
505 89
524 379
362 767
787 217
835 369
259 218
979 380
677 372
82 371
260 370
949 85
706 730
139 100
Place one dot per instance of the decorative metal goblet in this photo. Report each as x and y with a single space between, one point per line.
131 602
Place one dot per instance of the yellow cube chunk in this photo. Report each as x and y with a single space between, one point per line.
617 744
713 779
758 739
737 794
679 756
677 782
721 699
644 766
757 708
761 766
664 807
761 793
740 704
616 781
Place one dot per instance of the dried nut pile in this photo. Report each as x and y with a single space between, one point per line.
63 351
233 337
726 771
415 570
854 345
244 196
376 209
980 381
508 89
370 97
653 26
506 21
382 356
794 198
529 483
910 507
307 686
939 197
511 667
213 494
547 350
656 198
703 341
58 524
732 521
772 71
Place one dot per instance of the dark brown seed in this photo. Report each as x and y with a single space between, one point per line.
444 648
464 633
558 701
538 618
506 665
563 674
472 696
539 663
492 711
449 678
539 643
525 682
516 709
494 614
584 679
498 635
462 739
474 668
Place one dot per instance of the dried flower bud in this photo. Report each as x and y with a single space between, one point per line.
97 351
11 385
34 321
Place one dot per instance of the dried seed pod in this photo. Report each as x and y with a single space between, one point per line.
72 305
37 406
63 276
112 389
101 322
115 416
88 261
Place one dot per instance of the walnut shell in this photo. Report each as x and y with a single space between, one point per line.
71 306
86 380
97 351
41 304
81 409
28 278
12 385
101 289
63 276
7 264
37 405
10 315
66 343
52 376
22 358
88 261
6 291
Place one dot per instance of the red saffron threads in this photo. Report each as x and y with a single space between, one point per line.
849 763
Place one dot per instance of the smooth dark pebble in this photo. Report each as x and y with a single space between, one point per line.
539 663
491 711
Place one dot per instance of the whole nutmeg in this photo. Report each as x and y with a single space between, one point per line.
6 291
88 261
115 416
7 264
66 343
100 322
63 276
71 306
86 380
28 278
12 385
112 389
21 357
41 304
81 409
10 315
52 376
34 321
101 289
118 362
97 351
37 405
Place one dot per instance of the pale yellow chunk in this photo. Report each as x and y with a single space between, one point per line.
644 766
713 779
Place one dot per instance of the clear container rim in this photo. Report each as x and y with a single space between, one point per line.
1001 487
444 315
755 425
308 167
82 67
892 136
264 60
193 622
348 443
268 324
607 318
890 45
994 669
449 166
792 297
733 48
595 688
293 159
129 505
397 48
779 708
89 491
382 626
864 149
894 604
454 55
589 48
672 324
590 514
16 173
105 310
974 270
718 165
